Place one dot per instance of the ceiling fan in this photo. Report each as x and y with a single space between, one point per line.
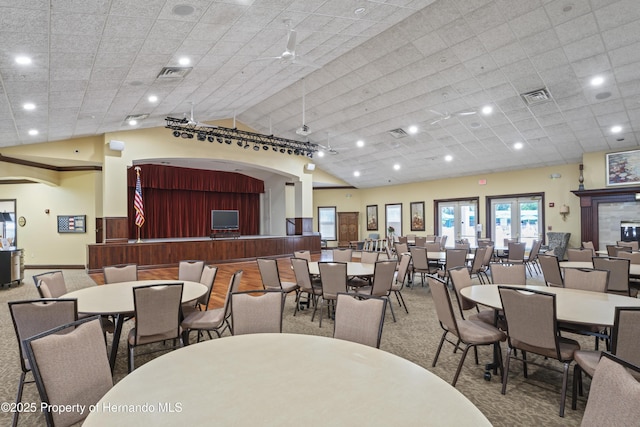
327 148
447 115
193 122
289 55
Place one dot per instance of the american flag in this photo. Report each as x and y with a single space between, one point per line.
138 205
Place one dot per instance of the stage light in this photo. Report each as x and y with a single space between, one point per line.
202 137
246 146
220 140
296 152
210 139
256 148
275 148
176 134
239 143
289 151
186 135
282 150
228 141
266 147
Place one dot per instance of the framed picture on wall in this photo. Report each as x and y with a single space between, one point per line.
417 216
372 217
623 168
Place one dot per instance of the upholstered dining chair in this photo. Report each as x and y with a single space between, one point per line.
369 257
32 317
531 260
308 285
383 276
50 284
634 257
400 279
455 258
401 248
257 311
421 264
618 269
271 276
216 320
516 252
614 250
550 267
359 318
190 270
589 245
207 278
304 254
120 273
333 278
157 316
71 369
508 274
468 332
614 396
478 261
633 245
531 317
420 240
579 254
461 279
342 255
624 344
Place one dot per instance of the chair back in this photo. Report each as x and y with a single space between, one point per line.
401 248
618 269
478 259
342 255
301 271
420 240
614 394
442 302
383 274
234 286
207 278
50 284
508 274
122 273
190 270
369 257
401 273
333 277
583 255
32 317
359 319
71 368
456 258
633 245
535 250
516 252
431 237
419 257
443 242
269 273
488 255
551 270
257 311
614 250
305 254
634 257
461 279
462 245
484 242
625 332
586 279
433 247
531 316
589 245
157 312
403 239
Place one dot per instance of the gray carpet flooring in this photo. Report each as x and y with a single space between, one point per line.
415 336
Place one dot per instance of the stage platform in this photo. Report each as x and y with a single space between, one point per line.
157 253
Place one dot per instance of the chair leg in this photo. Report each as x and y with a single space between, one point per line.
435 359
577 373
391 307
565 380
14 421
475 351
130 359
404 304
505 376
185 337
524 364
464 355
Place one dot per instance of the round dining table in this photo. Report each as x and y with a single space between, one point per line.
572 305
360 269
282 380
116 299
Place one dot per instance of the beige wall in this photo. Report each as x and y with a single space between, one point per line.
514 182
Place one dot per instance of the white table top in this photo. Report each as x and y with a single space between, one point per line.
634 269
434 256
353 269
572 305
295 380
118 297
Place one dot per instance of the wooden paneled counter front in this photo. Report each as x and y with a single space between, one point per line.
169 252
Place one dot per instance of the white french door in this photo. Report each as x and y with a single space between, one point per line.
457 220
517 218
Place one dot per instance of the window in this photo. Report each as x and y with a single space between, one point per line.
393 218
519 217
457 220
327 222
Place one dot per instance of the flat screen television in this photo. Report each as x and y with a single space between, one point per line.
224 220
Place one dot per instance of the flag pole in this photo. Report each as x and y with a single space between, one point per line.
138 204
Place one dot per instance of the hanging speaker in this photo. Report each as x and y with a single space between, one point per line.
116 145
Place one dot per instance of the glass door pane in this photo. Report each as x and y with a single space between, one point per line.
529 221
517 218
457 220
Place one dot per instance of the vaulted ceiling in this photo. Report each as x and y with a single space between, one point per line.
366 70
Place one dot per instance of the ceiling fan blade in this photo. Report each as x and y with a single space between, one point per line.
438 113
467 113
270 58
291 41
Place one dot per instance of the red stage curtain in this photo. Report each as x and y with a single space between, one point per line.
178 201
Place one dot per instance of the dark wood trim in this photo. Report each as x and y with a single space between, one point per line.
155 254
21 162
589 206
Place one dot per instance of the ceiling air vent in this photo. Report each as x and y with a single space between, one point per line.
536 96
136 117
174 72
398 133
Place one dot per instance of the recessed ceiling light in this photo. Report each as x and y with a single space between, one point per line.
359 10
448 157
133 122
153 98
360 143
597 81
518 145
33 132
23 60
29 106
396 167
356 173
184 61
487 109
413 129
616 129
320 153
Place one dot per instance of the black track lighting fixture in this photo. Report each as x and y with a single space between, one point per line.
266 147
210 139
202 137
239 143
176 134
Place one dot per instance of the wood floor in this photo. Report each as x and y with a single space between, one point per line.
250 277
